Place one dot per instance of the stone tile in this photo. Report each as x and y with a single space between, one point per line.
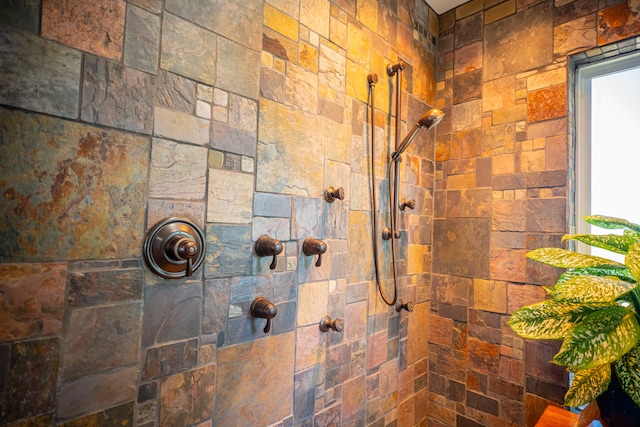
618 22
236 20
279 46
418 341
490 295
312 302
88 201
469 30
32 300
508 215
158 210
89 287
230 197
310 347
238 69
281 22
176 92
216 306
468 58
483 357
170 359
94 393
117 96
32 365
548 103
314 14
52 84
277 228
353 397
171 313
187 398
92 335
331 69
457 239
178 171
96 27
272 205
250 376
574 10
286 162
142 40
301 89
228 251
519 42
467 86
180 126
154 6
233 140
332 416
119 415
181 55
21 15
467 115
500 11
575 36
272 85
499 93
243 113
546 215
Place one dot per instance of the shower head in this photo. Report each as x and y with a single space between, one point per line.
426 122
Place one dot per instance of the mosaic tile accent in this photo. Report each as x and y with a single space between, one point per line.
32 300
250 376
52 84
88 202
96 27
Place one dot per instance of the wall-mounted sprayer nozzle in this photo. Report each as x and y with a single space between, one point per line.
426 122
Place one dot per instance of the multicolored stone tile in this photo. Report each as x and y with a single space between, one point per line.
187 398
618 22
142 40
32 300
250 378
96 27
52 84
88 201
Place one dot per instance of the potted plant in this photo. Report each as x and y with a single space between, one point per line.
594 308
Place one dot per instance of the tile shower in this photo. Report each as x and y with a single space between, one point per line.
238 114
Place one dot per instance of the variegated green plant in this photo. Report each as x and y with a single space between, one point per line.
594 309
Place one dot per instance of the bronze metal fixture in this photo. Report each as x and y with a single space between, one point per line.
330 194
411 204
263 309
174 248
326 323
406 306
312 246
268 246
392 69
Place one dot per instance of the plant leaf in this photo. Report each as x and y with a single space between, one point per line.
588 384
621 272
628 371
590 289
611 242
602 337
611 223
564 258
547 319
632 260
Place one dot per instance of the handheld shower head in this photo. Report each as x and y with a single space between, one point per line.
430 119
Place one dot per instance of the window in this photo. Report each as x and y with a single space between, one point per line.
607 142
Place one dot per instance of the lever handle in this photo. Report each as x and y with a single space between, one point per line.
411 204
182 248
408 306
268 246
330 194
312 246
264 309
326 323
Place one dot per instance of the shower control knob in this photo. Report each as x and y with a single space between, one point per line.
326 323
408 306
267 246
312 246
263 309
330 194
411 204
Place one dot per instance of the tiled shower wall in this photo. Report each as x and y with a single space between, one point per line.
236 114
503 187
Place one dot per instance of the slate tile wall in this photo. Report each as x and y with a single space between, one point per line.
115 115
504 187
